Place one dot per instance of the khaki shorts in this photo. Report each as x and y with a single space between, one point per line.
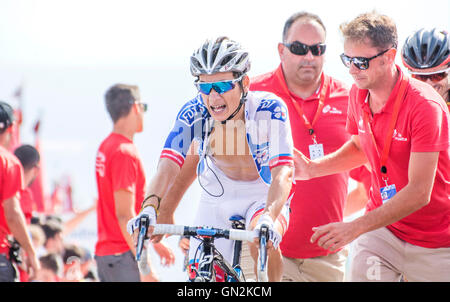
330 268
381 256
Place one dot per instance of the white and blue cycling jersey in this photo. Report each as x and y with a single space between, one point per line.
267 127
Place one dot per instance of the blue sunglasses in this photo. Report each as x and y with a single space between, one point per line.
219 87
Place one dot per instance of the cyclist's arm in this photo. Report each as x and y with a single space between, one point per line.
176 192
279 190
164 178
349 156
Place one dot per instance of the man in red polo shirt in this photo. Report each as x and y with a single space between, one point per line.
29 158
317 105
121 184
12 221
401 127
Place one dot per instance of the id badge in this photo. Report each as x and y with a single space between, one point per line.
387 192
316 151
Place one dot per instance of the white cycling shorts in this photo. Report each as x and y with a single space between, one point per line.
243 198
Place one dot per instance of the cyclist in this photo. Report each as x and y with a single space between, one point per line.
245 152
426 55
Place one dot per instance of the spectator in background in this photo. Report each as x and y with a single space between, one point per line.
51 268
121 188
29 158
12 220
54 242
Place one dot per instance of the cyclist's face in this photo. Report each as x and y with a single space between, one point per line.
302 69
441 86
221 106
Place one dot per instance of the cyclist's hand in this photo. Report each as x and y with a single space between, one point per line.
274 236
133 223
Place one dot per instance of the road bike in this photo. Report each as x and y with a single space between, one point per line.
210 261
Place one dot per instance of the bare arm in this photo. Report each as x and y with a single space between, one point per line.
349 156
415 195
124 202
16 224
163 180
279 190
74 222
356 200
172 199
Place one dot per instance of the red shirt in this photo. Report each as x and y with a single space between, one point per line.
11 182
362 175
321 200
117 166
26 203
422 126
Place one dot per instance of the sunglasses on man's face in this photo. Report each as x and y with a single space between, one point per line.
220 87
144 106
437 77
300 49
361 63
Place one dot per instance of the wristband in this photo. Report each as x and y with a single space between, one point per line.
150 196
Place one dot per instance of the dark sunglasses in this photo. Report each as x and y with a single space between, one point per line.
144 106
300 49
360 62
219 87
437 77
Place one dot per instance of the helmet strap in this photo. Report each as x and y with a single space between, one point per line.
241 102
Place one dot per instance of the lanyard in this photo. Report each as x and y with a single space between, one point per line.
388 139
308 125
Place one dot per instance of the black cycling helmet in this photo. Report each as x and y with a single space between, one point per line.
427 51
6 116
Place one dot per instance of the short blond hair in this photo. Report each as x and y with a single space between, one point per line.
379 29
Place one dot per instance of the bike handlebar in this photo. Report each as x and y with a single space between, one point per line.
182 230
232 234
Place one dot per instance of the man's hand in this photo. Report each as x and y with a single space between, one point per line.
301 163
33 265
165 253
334 236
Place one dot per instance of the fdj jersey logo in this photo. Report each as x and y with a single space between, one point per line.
262 154
191 113
278 111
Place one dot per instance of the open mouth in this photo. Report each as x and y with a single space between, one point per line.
218 109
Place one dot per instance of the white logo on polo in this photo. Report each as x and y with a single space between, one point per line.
398 136
100 164
331 110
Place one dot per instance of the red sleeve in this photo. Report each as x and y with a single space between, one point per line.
430 128
123 170
12 179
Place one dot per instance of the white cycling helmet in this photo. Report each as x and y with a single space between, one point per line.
219 55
